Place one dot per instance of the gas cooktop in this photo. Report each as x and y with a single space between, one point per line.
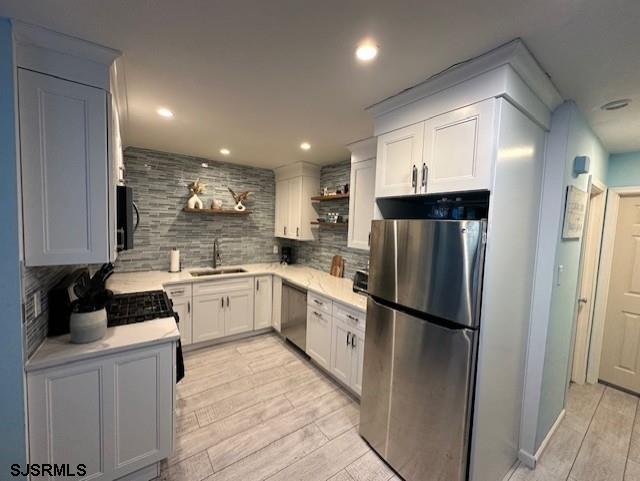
138 307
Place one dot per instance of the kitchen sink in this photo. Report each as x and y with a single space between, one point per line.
216 272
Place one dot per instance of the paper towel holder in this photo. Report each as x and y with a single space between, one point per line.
175 262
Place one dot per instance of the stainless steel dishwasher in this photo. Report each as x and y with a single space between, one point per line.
294 314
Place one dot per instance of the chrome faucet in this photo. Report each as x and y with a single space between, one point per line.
216 254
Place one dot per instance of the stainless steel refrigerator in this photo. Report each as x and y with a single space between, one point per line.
423 311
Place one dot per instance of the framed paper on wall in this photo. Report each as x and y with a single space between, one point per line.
574 213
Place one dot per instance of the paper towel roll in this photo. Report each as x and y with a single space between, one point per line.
174 261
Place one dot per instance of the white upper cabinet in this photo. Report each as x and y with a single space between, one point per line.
362 192
63 145
295 185
282 208
70 147
399 161
458 149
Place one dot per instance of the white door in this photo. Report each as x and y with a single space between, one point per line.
182 306
282 208
67 418
341 351
263 302
208 317
295 208
399 160
361 203
238 316
458 149
357 361
587 289
319 337
143 408
63 151
620 361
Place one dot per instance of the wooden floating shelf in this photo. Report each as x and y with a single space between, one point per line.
217 211
321 198
332 225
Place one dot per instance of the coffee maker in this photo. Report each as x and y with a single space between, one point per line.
286 255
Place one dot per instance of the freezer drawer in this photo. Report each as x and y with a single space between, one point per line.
417 394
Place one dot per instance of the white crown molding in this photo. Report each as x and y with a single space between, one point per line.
514 54
34 35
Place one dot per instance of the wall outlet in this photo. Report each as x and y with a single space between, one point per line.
37 307
275 249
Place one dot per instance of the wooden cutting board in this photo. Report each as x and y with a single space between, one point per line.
337 266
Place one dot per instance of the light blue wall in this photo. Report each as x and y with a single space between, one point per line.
624 170
580 141
12 416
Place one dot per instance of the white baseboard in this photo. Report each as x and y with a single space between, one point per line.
530 460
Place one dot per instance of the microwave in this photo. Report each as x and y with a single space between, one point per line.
128 217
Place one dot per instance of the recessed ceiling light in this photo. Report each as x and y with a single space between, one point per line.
164 112
225 151
305 145
616 104
367 51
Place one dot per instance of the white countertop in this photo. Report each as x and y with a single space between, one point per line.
335 288
59 350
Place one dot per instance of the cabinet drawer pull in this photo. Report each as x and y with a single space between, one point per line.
317 314
318 302
177 293
353 318
348 341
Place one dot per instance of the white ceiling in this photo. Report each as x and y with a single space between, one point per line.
261 76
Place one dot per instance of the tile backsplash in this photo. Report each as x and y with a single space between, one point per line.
38 279
160 189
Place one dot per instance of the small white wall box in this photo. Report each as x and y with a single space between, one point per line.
581 164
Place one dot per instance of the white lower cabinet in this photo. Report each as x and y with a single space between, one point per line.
114 414
181 298
208 317
341 351
319 336
335 339
263 302
238 316
222 308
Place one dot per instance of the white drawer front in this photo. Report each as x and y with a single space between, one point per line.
178 291
351 316
222 285
318 302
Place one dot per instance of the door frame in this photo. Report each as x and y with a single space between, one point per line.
602 289
580 353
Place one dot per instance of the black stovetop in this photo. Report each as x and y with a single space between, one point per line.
138 307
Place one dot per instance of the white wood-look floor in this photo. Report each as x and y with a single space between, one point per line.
257 410
598 440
